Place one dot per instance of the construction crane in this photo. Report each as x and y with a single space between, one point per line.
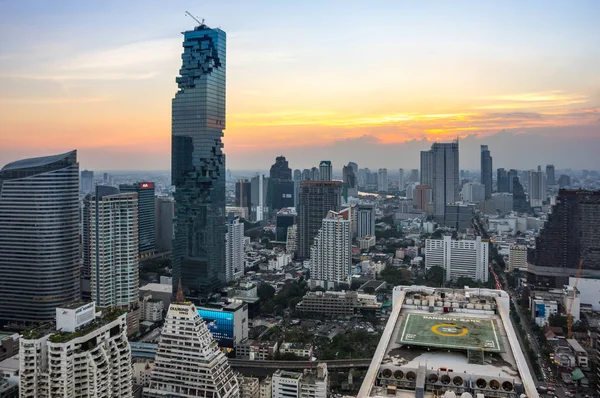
569 316
195 19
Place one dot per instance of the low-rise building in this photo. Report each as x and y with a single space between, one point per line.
541 310
141 373
249 387
300 350
264 388
307 384
366 242
9 345
152 309
256 350
580 353
337 303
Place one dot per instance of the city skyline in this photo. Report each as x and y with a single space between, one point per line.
463 73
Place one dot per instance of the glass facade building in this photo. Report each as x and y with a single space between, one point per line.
39 237
146 214
198 164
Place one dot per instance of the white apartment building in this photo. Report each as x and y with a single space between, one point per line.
517 257
188 361
307 384
536 188
235 256
85 356
114 250
365 220
366 242
541 310
468 258
249 387
265 390
152 309
331 253
382 180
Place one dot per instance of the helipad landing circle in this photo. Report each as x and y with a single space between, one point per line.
449 330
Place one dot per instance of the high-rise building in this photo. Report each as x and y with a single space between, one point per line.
317 198
536 188
414 175
459 258
459 216
362 177
307 384
331 253
569 236
564 181
87 181
146 215
284 219
198 163
113 240
207 372
258 195
281 185
235 256
354 168
520 202
291 243
486 171
473 192
517 257
305 175
243 193
297 178
350 180
315 174
164 213
401 183
502 184
439 166
39 237
512 174
365 220
382 180
550 175
83 356
326 170
106 179
422 197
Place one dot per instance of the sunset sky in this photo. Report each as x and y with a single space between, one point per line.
367 81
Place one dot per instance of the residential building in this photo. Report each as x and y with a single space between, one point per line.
206 369
198 163
502 181
265 390
459 258
317 198
331 253
83 356
299 350
439 170
550 179
366 242
152 309
259 189
256 350
113 240
87 181
326 170
517 257
307 384
235 256
315 174
39 237
486 171
291 243
350 180
249 386
401 182
146 214
541 310
281 185
243 194
330 303
570 235
536 189
382 180
365 220
422 196
165 212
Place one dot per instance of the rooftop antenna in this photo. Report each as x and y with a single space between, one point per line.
195 19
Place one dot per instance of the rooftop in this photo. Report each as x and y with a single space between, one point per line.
157 287
36 162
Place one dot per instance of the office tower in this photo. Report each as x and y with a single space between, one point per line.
310 383
401 184
39 237
512 174
459 216
550 175
106 179
459 258
331 252
317 198
517 257
326 170
84 356
284 219
258 195
486 171
281 185
354 168
315 174
207 372
243 196
146 216
520 202
198 163
305 175
164 213
473 192
422 197
564 181
87 181
350 180
365 220
297 178
114 257
362 177
235 256
502 180
536 188
442 160
382 180
569 235
414 175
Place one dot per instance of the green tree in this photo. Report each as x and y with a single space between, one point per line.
465 281
435 276
265 292
558 320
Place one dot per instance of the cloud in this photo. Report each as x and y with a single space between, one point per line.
531 100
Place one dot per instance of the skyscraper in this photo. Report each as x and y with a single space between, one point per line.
281 186
317 198
198 163
486 171
569 235
258 197
365 220
39 237
87 181
439 166
305 175
114 257
401 183
512 174
243 196
146 217
326 170
550 180
520 203
536 188
382 180
165 210
350 180
188 361
315 174
414 175
234 253
331 253
297 178
502 184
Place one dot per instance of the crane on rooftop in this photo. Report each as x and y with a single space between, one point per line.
195 19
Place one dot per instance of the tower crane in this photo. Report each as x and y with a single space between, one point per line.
569 316
195 19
